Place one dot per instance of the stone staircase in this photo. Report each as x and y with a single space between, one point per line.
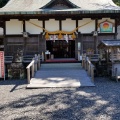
60 75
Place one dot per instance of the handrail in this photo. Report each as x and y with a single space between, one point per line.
88 66
32 62
33 67
114 57
116 75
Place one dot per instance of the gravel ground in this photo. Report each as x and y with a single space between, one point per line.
101 102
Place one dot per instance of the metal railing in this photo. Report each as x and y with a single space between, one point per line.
33 67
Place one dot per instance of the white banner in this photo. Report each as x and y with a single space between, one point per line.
2 67
65 37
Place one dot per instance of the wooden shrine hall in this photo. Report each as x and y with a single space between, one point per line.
62 28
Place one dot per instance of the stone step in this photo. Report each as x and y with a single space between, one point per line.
60 75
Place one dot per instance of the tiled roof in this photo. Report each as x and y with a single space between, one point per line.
35 7
110 43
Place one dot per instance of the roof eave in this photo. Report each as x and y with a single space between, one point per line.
59 12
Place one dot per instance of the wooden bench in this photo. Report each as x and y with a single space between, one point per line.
27 58
8 59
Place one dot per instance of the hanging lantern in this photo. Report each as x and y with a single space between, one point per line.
60 36
47 36
73 36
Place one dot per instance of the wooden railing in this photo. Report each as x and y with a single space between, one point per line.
114 57
117 74
8 59
33 67
27 58
93 57
88 66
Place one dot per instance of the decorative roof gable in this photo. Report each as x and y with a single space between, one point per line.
60 4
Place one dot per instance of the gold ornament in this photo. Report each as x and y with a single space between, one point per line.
47 36
73 36
60 36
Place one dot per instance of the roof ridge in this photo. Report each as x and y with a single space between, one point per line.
48 4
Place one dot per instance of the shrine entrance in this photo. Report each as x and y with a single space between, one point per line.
61 48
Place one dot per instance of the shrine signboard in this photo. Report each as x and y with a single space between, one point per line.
2 66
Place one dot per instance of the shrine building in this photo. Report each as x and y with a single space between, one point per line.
65 28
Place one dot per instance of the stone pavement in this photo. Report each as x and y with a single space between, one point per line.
60 75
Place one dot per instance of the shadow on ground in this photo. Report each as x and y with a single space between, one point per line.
87 103
15 83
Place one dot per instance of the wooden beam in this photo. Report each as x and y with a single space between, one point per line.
98 18
24 26
43 18
76 18
116 29
43 22
77 24
60 24
7 19
62 18
2 24
96 24
4 28
118 21
25 19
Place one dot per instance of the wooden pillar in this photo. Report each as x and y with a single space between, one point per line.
77 25
38 64
92 73
33 70
24 30
38 44
112 55
95 37
43 24
107 55
60 24
28 75
4 33
43 39
24 26
4 28
35 63
116 24
78 43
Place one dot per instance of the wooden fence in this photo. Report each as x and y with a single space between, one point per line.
88 66
115 57
33 67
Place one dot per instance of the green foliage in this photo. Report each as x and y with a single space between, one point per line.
3 2
117 2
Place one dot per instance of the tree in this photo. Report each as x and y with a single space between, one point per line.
3 2
117 2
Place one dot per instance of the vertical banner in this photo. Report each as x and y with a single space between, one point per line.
2 67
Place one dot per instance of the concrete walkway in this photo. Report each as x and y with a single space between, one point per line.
60 75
